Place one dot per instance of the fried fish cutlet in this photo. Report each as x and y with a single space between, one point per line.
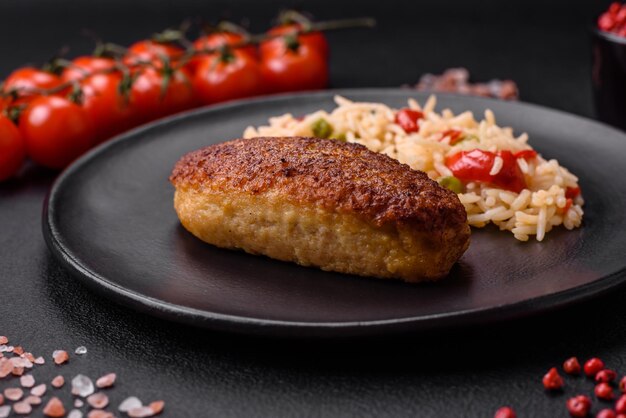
324 203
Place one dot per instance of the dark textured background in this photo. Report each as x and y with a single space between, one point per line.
542 45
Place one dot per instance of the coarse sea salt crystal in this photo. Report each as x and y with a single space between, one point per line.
82 386
143 412
5 411
38 390
130 403
75 413
22 408
27 381
106 381
81 350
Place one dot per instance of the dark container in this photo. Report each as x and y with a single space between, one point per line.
608 77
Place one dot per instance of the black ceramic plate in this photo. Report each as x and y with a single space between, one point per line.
109 219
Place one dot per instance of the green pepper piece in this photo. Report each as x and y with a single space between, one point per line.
452 183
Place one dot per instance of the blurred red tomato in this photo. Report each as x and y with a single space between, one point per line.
227 76
56 131
27 79
288 66
12 150
105 105
217 40
151 51
31 78
149 100
82 66
315 40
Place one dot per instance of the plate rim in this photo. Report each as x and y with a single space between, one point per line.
282 328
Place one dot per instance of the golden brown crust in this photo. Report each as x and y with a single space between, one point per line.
334 175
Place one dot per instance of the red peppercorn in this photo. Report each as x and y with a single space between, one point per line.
593 366
579 406
620 416
622 385
620 405
571 366
606 413
606 375
552 380
505 412
604 391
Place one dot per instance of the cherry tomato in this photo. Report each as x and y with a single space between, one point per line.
476 165
227 76
527 154
292 67
108 110
82 66
314 40
218 39
150 102
12 149
31 78
408 119
4 103
56 131
151 51
28 78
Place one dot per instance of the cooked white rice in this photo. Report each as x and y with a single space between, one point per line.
534 211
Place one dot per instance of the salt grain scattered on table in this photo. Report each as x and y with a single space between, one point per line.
21 362
60 356
27 381
82 386
6 367
38 390
58 381
142 412
129 403
29 357
98 400
96 413
106 381
75 413
33 400
17 371
5 411
157 407
54 408
22 408
13 394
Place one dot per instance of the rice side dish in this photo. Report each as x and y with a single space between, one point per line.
498 177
